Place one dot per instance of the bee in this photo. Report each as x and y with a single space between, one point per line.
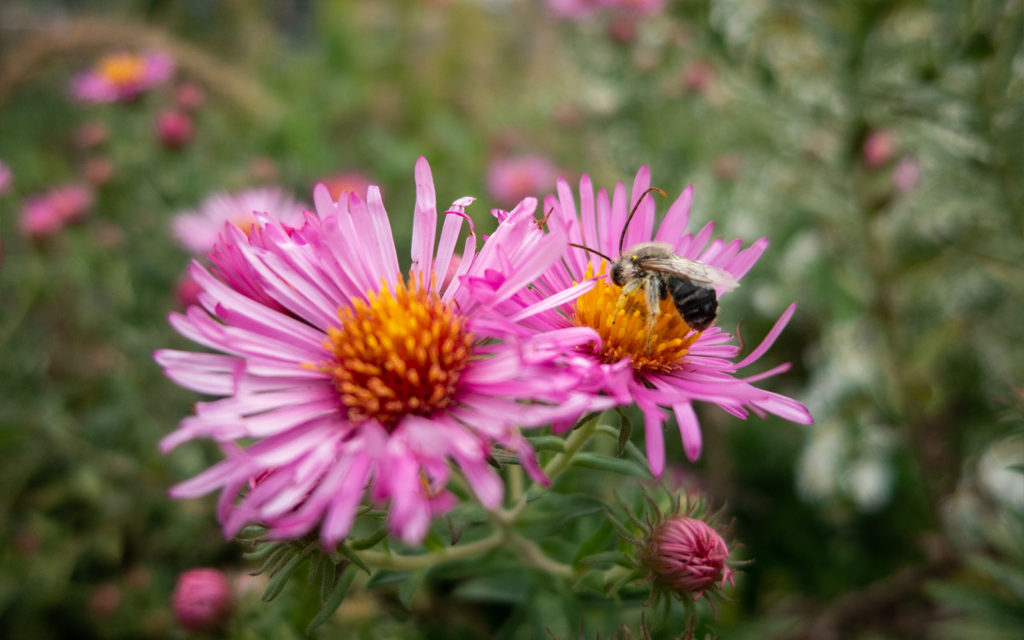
655 267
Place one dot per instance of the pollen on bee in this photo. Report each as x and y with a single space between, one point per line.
624 328
401 352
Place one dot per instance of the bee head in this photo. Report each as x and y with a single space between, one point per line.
619 273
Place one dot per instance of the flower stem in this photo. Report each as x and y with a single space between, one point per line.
397 562
583 430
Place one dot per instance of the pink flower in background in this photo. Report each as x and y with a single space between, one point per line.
698 76
187 291
906 174
676 366
98 170
190 96
6 177
197 231
122 76
638 7
45 214
341 379
174 128
202 599
574 9
355 182
509 180
91 134
878 149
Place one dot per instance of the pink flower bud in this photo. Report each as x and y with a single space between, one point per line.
687 556
105 600
906 174
879 148
91 134
187 290
6 177
190 96
202 599
174 128
98 170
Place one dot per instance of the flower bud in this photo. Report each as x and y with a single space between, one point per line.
686 556
174 128
878 149
190 96
202 599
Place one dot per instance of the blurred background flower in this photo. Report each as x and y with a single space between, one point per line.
119 77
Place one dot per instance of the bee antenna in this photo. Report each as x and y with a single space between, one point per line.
580 246
622 238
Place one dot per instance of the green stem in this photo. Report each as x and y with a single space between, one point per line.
395 562
584 429
581 432
532 554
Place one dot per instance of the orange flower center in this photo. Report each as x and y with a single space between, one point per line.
400 353
122 69
623 327
245 223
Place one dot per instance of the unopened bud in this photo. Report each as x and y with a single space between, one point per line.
202 599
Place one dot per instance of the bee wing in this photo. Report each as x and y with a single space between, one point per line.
696 271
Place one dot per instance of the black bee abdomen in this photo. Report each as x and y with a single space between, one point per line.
696 304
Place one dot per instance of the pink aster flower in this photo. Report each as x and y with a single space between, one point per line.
341 380
669 366
47 213
509 180
122 76
352 181
197 231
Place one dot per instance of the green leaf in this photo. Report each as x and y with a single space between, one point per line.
433 541
1004 574
386 576
620 466
353 557
334 601
548 443
329 578
978 603
625 431
281 577
510 587
606 557
370 540
551 512
596 542
408 588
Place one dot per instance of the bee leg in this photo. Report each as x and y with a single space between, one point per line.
630 287
655 292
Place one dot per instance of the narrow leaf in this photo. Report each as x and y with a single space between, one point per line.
334 601
408 588
281 578
353 557
621 466
625 430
